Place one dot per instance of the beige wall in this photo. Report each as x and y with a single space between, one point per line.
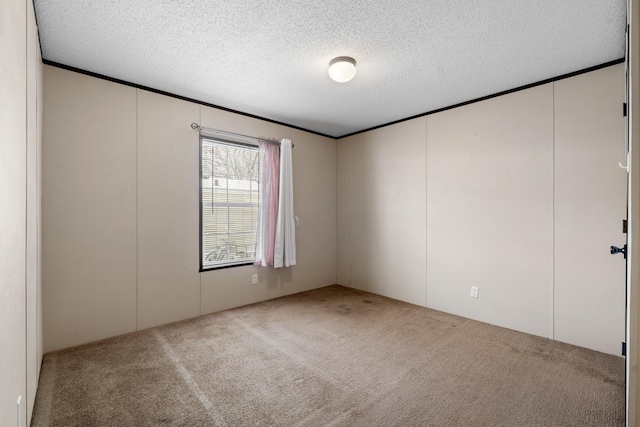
39 130
120 209
88 209
496 209
343 213
490 210
383 213
33 236
590 203
12 209
20 91
167 177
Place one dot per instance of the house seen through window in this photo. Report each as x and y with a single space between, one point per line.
229 203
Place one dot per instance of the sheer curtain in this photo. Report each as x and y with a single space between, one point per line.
276 240
285 244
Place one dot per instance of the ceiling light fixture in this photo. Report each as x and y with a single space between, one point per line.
342 69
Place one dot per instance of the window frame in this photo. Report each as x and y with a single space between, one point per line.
202 138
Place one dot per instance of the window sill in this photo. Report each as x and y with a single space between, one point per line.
220 267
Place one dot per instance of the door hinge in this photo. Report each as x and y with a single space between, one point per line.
624 226
624 109
624 348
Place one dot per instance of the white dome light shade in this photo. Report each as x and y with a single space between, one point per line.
342 69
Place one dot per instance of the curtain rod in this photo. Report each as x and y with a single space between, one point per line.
199 128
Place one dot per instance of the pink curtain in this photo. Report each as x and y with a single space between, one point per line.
269 177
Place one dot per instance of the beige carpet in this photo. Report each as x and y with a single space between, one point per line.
330 357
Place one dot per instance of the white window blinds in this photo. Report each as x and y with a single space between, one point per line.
229 203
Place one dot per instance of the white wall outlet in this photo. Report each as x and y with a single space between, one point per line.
254 279
474 292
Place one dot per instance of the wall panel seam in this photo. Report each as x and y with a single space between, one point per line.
350 241
199 207
426 209
25 398
137 208
553 210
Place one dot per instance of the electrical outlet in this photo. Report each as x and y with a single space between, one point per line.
474 292
254 279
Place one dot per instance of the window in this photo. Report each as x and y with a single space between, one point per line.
228 203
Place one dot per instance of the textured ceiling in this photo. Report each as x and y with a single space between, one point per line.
269 58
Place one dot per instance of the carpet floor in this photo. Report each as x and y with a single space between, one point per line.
330 357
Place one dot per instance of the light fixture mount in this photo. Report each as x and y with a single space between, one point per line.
342 69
